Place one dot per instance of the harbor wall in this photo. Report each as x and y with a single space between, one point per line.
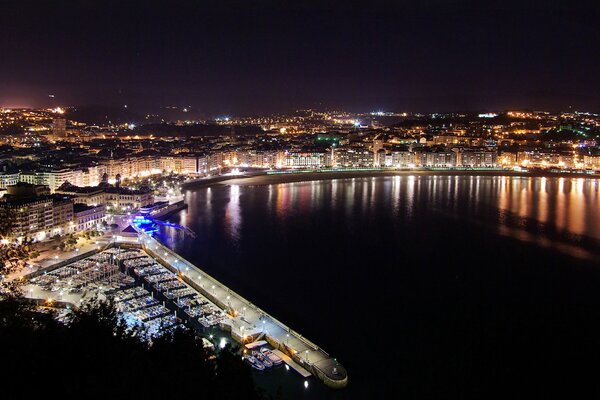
161 249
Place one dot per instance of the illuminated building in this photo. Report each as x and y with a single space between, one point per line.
59 127
307 159
353 157
7 179
402 159
473 158
38 216
378 158
86 217
436 159
114 197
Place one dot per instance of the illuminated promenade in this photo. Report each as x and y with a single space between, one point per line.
249 322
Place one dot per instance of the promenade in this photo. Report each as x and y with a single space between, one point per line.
249 322
246 322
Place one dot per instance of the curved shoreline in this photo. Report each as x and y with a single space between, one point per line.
269 179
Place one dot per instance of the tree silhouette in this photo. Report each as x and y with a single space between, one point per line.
96 354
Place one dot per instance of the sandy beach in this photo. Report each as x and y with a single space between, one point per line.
265 179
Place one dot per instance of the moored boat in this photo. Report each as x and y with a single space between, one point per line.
255 363
262 358
274 358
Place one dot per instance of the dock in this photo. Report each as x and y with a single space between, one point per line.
295 366
249 322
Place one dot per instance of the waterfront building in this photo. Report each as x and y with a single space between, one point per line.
436 159
30 217
109 196
307 159
402 159
87 217
215 161
536 158
592 162
353 157
62 212
258 158
90 196
202 165
569 160
507 158
179 165
477 158
127 199
378 156
38 217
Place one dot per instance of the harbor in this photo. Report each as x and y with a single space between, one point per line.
247 322
158 289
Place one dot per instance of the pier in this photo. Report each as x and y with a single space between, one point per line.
248 322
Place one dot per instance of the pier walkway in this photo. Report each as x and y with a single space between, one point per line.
288 360
249 322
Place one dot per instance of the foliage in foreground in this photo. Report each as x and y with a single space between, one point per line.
96 355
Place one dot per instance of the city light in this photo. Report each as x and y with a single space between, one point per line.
415 187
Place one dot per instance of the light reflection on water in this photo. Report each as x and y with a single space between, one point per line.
233 217
411 234
549 209
570 205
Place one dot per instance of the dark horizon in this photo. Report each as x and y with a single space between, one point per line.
228 57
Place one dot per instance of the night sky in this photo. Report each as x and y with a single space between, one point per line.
266 56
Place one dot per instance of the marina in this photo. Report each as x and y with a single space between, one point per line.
154 287
247 322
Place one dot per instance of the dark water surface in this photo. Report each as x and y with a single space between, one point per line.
422 287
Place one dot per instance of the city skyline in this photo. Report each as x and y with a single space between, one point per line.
267 199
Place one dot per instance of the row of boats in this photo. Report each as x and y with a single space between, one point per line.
262 359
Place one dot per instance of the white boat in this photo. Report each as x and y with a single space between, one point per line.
255 363
262 358
274 358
